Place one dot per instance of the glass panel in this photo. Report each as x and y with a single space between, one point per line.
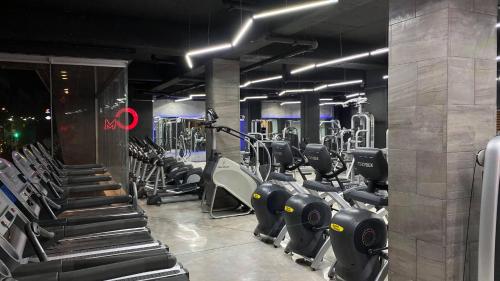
73 103
24 99
112 138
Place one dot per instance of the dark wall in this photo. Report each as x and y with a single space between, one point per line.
144 109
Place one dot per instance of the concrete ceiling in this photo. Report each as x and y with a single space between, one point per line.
155 34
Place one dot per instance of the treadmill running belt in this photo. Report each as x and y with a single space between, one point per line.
88 244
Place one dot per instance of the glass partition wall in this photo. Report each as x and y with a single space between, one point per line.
67 104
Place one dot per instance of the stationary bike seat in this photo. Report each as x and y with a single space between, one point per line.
320 187
281 177
367 197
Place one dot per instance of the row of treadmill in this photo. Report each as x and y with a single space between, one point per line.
328 212
53 226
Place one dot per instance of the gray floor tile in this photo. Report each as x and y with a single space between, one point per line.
223 249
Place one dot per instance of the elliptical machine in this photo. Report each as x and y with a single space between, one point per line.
269 198
359 236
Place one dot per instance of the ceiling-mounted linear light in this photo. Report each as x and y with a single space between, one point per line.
188 61
253 98
295 91
302 69
292 9
290 102
209 50
332 103
326 99
191 97
242 32
355 95
497 25
203 51
337 61
246 27
379 51
261 80
498 58
385 77
346 83
322 87
319 88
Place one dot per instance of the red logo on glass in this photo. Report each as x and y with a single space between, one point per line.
111 125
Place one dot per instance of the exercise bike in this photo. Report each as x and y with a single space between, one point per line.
269 198
308 215
359 235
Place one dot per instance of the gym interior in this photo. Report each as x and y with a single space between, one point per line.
249 140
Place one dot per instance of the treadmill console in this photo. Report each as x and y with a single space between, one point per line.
8 215
17 189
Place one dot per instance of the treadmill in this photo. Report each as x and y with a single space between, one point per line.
66 236
36 159
39 181
125 263
32 199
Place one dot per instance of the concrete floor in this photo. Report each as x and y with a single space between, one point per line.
223 249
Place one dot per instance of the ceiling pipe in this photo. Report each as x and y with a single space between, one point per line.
236 5
195 86
158 60
306 46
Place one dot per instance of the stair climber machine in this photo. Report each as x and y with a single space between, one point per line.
269 198
308 215
359 235
229 186
26 254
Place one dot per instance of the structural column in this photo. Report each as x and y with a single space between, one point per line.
309 121
442 108
223 95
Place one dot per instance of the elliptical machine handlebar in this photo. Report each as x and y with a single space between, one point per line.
343 168
301 162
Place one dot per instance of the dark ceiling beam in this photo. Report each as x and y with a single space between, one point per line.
128 38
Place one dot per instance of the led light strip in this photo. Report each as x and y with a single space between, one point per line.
191 97
248 24
261 81
295 91
290 102
355 95
322 87
385 77
253 98
339 60
345 103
